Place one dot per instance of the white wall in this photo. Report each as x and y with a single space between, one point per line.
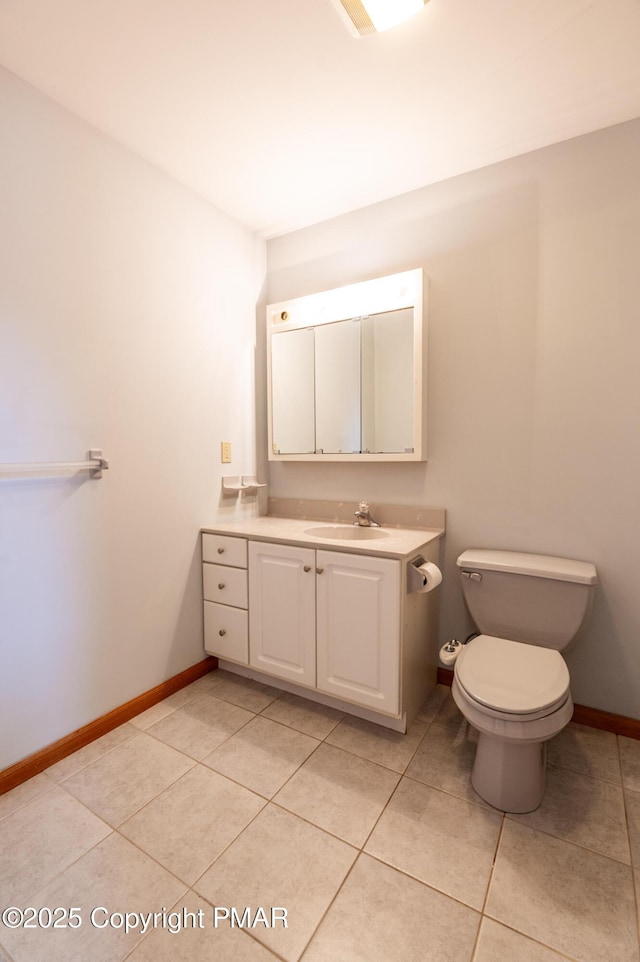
534 354
127 322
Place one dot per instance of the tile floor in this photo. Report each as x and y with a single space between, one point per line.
235 795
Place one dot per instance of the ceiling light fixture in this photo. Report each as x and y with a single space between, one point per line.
372 16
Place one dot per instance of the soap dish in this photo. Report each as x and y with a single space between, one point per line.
235 484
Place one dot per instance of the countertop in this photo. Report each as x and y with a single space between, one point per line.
391 542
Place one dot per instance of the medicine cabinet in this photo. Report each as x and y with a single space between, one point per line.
347 373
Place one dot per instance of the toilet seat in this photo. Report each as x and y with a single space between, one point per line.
512 680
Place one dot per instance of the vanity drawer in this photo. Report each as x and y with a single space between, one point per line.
226 632
228 586
221 549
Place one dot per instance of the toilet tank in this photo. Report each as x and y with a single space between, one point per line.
536 599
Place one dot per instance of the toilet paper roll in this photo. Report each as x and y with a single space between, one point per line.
429 576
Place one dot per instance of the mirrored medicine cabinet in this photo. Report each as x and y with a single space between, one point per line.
346 373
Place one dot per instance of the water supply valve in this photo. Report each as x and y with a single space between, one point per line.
450 651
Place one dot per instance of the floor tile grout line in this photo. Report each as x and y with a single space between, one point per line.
476 940
56 875
319 828
255 715
419 881
596 778
289 777
193 697
225 739
294 727
248 684
153 858
381 764
267 802
384 808
568 841
493 867
246 788
174 782
274 721
485 807
366 758
329 906
295 772
529 938
100 758
35 798
276 955
314 824
234 781
147 801
136 731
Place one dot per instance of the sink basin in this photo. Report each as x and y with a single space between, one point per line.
345 532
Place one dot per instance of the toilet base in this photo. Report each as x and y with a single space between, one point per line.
510 775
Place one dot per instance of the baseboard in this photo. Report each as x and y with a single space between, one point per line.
593 717
33 764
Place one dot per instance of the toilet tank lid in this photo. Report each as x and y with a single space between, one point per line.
536 565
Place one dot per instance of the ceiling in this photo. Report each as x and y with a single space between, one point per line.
276 114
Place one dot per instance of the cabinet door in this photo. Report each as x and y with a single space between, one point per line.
358 656
282 610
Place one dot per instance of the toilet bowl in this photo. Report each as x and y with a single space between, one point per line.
511 683
517 697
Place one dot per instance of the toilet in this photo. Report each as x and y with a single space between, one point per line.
510 682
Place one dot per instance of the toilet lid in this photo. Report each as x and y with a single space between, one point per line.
511 676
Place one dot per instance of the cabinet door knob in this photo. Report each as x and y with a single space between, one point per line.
319 570
222 632
307 568
220 550
220 585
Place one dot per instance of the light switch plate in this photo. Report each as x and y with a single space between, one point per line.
225 452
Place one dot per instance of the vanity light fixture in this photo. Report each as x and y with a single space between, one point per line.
373 16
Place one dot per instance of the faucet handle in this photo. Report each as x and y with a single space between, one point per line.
364 506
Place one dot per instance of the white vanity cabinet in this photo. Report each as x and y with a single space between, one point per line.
343 627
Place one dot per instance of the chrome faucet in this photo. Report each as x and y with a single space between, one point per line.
363 516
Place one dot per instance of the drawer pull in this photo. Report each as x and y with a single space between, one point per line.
220 550
222 632
221 585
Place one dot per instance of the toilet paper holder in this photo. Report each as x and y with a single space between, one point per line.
422 575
